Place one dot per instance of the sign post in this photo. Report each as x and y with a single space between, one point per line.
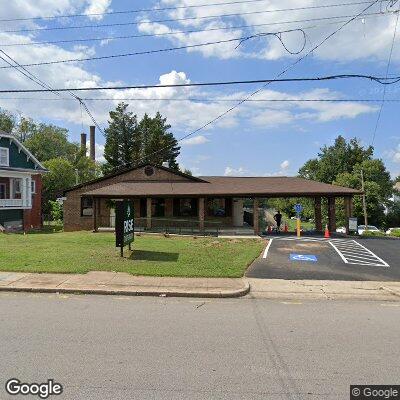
124 224
298 208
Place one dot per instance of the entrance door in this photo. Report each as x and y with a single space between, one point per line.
238 212
2 190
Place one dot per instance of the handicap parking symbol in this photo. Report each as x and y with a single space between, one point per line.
303 257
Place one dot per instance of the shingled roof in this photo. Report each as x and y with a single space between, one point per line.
224 186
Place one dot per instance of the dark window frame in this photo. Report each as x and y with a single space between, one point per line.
86 207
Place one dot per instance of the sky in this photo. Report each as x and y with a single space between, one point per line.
256 138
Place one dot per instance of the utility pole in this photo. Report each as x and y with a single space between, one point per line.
364 201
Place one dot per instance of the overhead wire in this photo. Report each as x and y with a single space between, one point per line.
386 75
160 9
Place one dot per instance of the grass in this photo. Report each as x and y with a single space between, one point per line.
80 252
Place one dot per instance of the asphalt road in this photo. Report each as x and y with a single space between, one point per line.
106 347
329 264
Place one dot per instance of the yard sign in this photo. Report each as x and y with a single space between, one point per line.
124 224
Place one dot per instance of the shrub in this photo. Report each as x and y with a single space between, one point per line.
372 233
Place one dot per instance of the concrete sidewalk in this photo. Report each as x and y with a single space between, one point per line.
101 282
319 289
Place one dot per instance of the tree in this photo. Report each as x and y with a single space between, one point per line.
25 129
341 164
122 139
129 142
85 168
61 176
7 121
336 159
50 141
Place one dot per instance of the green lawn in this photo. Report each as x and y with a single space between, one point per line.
80 252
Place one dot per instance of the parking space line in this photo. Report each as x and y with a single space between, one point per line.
352 252
267 248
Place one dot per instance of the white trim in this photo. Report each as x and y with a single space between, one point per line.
7 164
20 145
33 186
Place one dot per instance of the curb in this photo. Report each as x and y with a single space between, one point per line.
200 294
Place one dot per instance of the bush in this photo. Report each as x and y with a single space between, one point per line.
372 233
395 233
56 210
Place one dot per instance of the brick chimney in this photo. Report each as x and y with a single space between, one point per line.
92 142
83 143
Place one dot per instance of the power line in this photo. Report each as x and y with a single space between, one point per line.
292 65
382 80
106 38
20 68
208 100
386 75
164 20
169 9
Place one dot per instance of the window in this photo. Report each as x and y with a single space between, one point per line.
86 207
2 190
185 207
157 207
4 157
17 185
33 187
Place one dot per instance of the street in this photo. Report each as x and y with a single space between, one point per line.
111 347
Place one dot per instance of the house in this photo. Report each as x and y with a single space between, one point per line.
164 198
20 186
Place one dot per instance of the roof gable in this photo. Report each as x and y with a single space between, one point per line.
142 173
19 156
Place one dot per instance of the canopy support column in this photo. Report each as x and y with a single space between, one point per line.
348 210
256 225
332 214
148 212
318 214
201 213
95 212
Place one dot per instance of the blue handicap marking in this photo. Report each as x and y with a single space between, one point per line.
303 257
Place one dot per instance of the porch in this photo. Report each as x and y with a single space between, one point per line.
16 189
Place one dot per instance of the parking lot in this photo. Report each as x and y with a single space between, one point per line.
328 259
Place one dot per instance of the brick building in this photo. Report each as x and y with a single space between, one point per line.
167 198
20 186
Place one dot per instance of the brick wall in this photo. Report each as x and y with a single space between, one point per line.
72 206
33 217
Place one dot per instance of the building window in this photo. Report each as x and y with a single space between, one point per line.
185 207
33 187
4 157
157 207
2 190
17 186
86 206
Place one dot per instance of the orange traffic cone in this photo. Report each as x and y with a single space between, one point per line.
269 229
327 234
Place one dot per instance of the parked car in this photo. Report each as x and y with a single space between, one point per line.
390 230
341 229
363 228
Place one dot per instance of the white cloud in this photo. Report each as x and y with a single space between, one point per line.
285 165
394 155
230 171
363 39
196 140
97 7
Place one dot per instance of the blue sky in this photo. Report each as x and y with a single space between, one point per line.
257 138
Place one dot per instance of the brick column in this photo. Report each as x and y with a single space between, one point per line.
148 212
169 207
318 214
332 214
256 225
95 222
201 213
348 211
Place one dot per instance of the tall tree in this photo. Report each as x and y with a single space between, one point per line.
122 140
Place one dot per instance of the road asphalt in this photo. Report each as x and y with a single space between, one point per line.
115 347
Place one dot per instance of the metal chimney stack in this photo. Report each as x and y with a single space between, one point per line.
83 143
92 142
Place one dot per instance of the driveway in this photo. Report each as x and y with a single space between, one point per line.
333 259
